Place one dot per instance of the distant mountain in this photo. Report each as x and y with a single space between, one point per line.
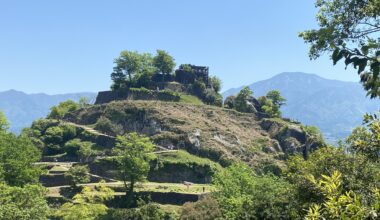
22 109
336 107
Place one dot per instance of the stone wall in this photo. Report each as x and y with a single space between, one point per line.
136 94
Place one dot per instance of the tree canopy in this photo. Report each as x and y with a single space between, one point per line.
23 203
164 62
4 124
132 160
348 29
17 155
59 111
241 100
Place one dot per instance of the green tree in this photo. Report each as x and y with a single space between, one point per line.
132 160
164 62
23 203
78 174
241 101
359 174
59 111
216 83
87 205
4 124
276 98
17 155
206 208
83 102
230 102
339 204
271 103
348 29
243 195
128 63
366 140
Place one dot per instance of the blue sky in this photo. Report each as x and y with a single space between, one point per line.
69 46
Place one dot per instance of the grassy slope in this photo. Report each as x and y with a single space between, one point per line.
220 131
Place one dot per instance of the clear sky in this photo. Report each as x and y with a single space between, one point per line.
69 45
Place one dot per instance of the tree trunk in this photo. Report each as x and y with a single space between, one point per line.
129 193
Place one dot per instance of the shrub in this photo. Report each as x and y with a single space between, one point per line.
54 135
59 111
213 98
149 211
216 83
241 101
77 174
108 127
198 88
207 209
230 102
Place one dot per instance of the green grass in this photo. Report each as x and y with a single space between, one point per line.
59 169
190 99
183 157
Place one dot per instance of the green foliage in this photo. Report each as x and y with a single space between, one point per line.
135 66
77 174
59 111
339 204
164 62
106 126
187 159
216 83
241 100
132 160
206 209
358 174
314 133
352 36
83 102
54 135
230 102
242 195
17 155
199 88
149 211
23 203
366 140
41 125
86 151
276 98
87 205
162 95
213 98
190 99
271 103
4 124
81 149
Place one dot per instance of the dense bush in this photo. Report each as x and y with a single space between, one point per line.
106 126
23 203
230 102
243 195
146 94
59 111
206 209
145 212
77 174
17 155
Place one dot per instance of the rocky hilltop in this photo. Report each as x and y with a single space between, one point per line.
219 134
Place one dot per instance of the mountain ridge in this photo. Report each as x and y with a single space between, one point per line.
336 107
22 108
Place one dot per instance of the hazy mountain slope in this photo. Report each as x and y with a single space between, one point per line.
21 108
334 106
